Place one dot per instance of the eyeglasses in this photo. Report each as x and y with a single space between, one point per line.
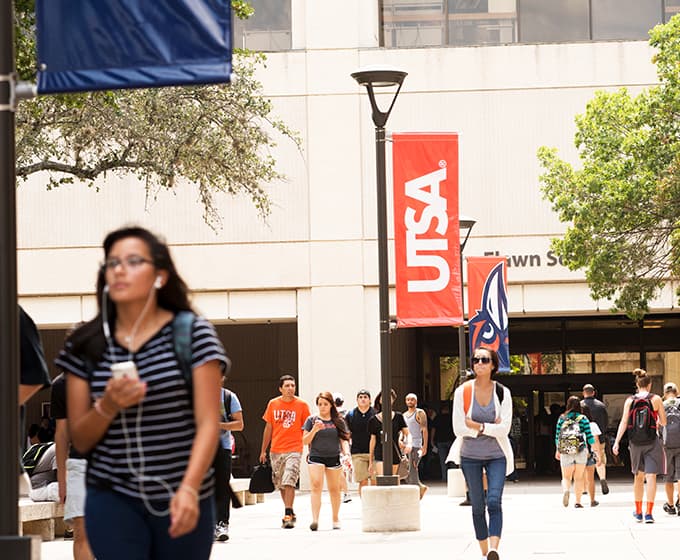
133 261
481 360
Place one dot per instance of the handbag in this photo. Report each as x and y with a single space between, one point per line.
261 480
404 465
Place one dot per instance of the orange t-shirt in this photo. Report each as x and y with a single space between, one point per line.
287 419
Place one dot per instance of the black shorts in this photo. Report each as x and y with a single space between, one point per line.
328 462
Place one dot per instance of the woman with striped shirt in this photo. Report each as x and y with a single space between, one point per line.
150 432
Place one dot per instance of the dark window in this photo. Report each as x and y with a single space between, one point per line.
481 22
542 21
624 19
672 7
268 29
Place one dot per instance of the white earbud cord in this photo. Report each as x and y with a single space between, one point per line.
139 473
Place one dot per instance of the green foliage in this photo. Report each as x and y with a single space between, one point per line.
623 203
217 137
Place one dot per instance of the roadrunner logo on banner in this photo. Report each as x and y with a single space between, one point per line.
487 294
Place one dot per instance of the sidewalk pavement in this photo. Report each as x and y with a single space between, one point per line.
536 526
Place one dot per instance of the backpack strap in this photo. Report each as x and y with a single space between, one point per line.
182 327
226 400
500 391
467 396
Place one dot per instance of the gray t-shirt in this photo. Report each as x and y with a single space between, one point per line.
482 447
326 442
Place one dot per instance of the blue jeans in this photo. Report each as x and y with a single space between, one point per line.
119 526
495 476
443 448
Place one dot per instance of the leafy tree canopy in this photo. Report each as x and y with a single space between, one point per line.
218 137
623 202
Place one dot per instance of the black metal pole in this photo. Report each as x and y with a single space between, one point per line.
11 545
387 479
462 349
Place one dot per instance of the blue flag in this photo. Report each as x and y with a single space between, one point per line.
86 45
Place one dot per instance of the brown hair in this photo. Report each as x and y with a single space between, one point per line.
335 417
642 378
492 354
573 404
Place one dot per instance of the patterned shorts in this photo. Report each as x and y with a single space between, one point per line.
285 468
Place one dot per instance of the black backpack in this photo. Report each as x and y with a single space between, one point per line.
641 421
32 456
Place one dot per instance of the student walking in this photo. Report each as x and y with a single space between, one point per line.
671 447
326 435
642 414
572 440
231 420
143 413
284 417
482 414
595 453
357 421
598 411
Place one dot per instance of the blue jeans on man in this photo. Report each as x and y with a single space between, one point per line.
473 470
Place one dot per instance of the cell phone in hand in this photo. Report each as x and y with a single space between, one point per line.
124 369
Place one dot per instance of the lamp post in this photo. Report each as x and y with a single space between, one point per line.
465 224
372 78
11 545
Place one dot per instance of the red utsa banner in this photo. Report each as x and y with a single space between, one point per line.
426 235
488 306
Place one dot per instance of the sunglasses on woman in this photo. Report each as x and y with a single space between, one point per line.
481 360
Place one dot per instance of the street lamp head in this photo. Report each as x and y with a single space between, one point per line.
372 77
379 76
465 224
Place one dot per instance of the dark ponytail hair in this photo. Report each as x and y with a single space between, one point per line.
88 341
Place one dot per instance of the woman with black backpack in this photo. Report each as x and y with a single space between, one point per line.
642 414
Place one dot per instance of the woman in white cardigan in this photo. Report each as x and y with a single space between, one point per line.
481 422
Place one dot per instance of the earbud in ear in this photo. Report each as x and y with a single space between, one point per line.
159 283
106 288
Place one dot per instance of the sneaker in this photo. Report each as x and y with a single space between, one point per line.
314 526
346 498
221 532
605 486
578 506
336 525
594 503
68 533
677 507
565 499
669 509
649 518
465 502
492 555
638 517
287 522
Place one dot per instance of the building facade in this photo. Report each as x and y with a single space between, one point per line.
298 292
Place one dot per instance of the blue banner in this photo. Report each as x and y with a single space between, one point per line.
86 45
488 304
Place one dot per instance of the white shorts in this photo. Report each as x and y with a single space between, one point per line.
75 489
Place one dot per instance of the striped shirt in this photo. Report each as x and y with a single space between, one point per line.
159 446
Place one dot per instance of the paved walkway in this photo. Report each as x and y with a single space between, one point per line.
536 526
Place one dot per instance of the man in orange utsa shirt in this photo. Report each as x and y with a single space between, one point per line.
284 417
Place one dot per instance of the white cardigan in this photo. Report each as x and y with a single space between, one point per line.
498 430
